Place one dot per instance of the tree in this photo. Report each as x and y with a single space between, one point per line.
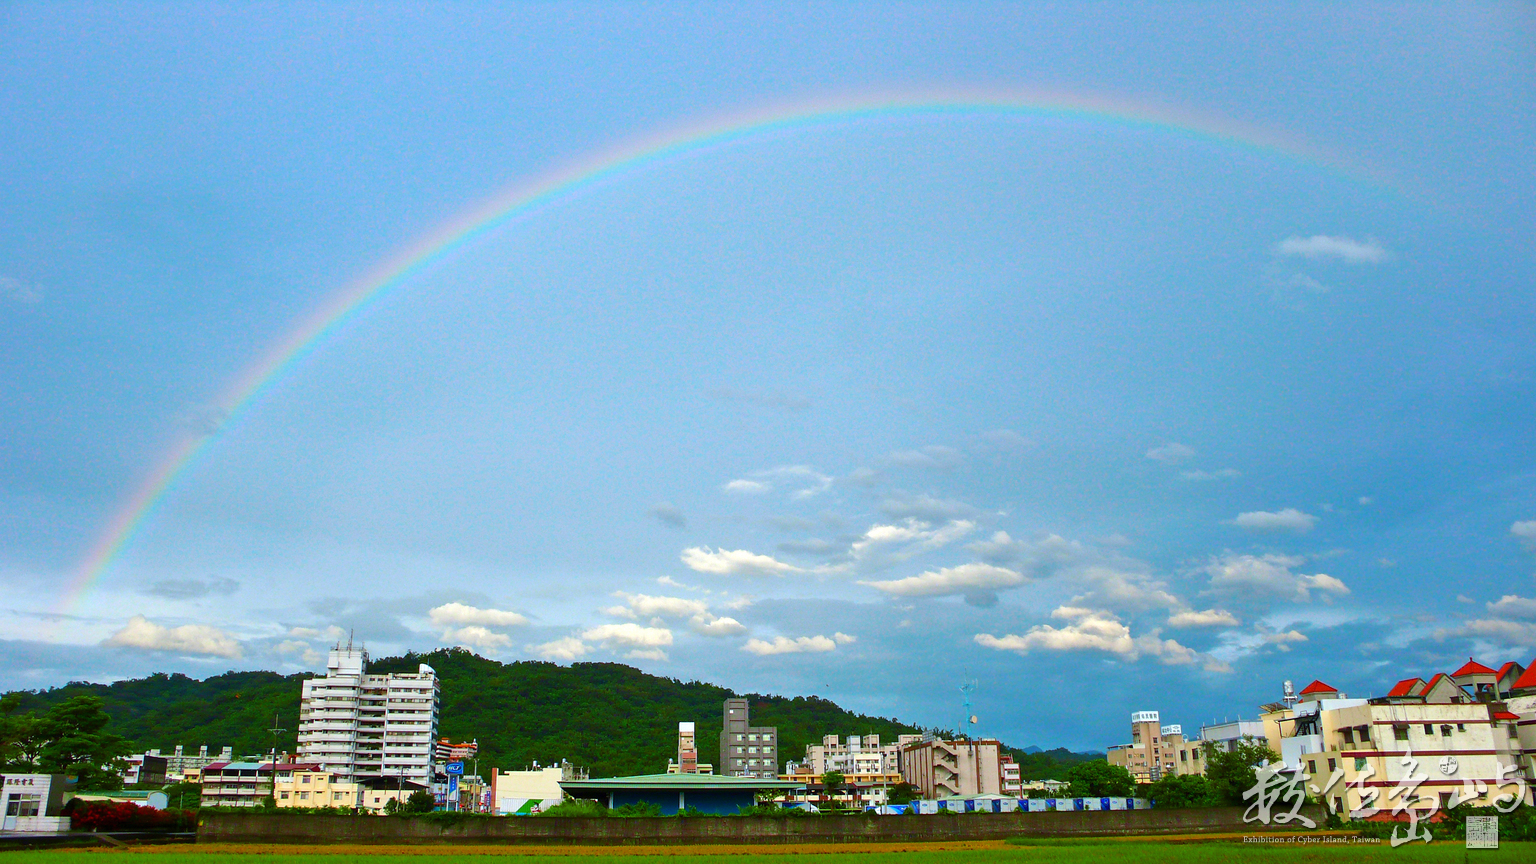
420 801
1180 790
75 741
1099 779
20 735
832 783
1231 773
901 793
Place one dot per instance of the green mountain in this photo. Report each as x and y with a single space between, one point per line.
612 718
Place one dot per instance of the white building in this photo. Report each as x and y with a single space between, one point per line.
369 727
519 793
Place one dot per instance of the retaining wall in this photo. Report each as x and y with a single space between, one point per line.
297 828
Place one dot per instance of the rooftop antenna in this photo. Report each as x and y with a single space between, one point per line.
967 687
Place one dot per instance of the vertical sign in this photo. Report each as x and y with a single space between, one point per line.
1482 832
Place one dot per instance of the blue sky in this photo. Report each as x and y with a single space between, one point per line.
1109 419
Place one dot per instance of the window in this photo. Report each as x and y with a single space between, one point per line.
1429 728
1445 730
1400 733
1349 735
1332 766
1461 727
1359 763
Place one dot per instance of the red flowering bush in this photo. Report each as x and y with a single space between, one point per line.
126 816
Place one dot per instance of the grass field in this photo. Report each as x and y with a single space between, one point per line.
1139 851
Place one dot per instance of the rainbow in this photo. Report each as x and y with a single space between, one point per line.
523 201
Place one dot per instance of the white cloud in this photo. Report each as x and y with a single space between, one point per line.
887 544
1171 453
1000 549
1282 640
292 646
1289 519
142 633
727 562
1513 606
806 481
709 625
1206 618
1123 590
1090 630
1517 634
648 606
1320 246
628 635
1202 476
646 654
331 632
800 645
451 614
1271 575
570 648
967 579
748 487
935 457
476 636
1526 531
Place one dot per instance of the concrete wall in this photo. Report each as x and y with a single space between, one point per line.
242 827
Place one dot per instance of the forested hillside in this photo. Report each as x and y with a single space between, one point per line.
609 717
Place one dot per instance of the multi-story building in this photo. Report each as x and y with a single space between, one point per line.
519 793
1453 738
869 768
236 784
1013 784
747 750
309 786
1157 749
180 765
364 727
445 751
147 767
688 753
945 769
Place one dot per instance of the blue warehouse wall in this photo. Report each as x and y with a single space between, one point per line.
718 801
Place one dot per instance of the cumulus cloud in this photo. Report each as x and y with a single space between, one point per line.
476 636
1090 630
192 589
978 583
146 635
885 544
668 514
1282 641
1270 576
1203 618
1322 247
725 562
648 606
1289 519
628 635
799 645
934 457
1526 531
1123 590
459 614
1513 606
569 649
1171 453
710 625
1202 476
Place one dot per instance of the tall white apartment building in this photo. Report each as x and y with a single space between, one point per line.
369 727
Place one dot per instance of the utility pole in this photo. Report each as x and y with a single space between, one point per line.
275 730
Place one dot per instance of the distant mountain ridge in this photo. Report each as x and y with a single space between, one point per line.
612 718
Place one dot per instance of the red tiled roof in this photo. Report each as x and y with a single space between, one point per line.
1526 680
1404 687
1504 670
1473 668
1505 715
1318 687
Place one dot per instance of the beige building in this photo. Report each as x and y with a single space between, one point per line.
747 750
1156 750
688 753
1451 734
538 788
945 769
310 786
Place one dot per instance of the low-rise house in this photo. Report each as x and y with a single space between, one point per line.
312 786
